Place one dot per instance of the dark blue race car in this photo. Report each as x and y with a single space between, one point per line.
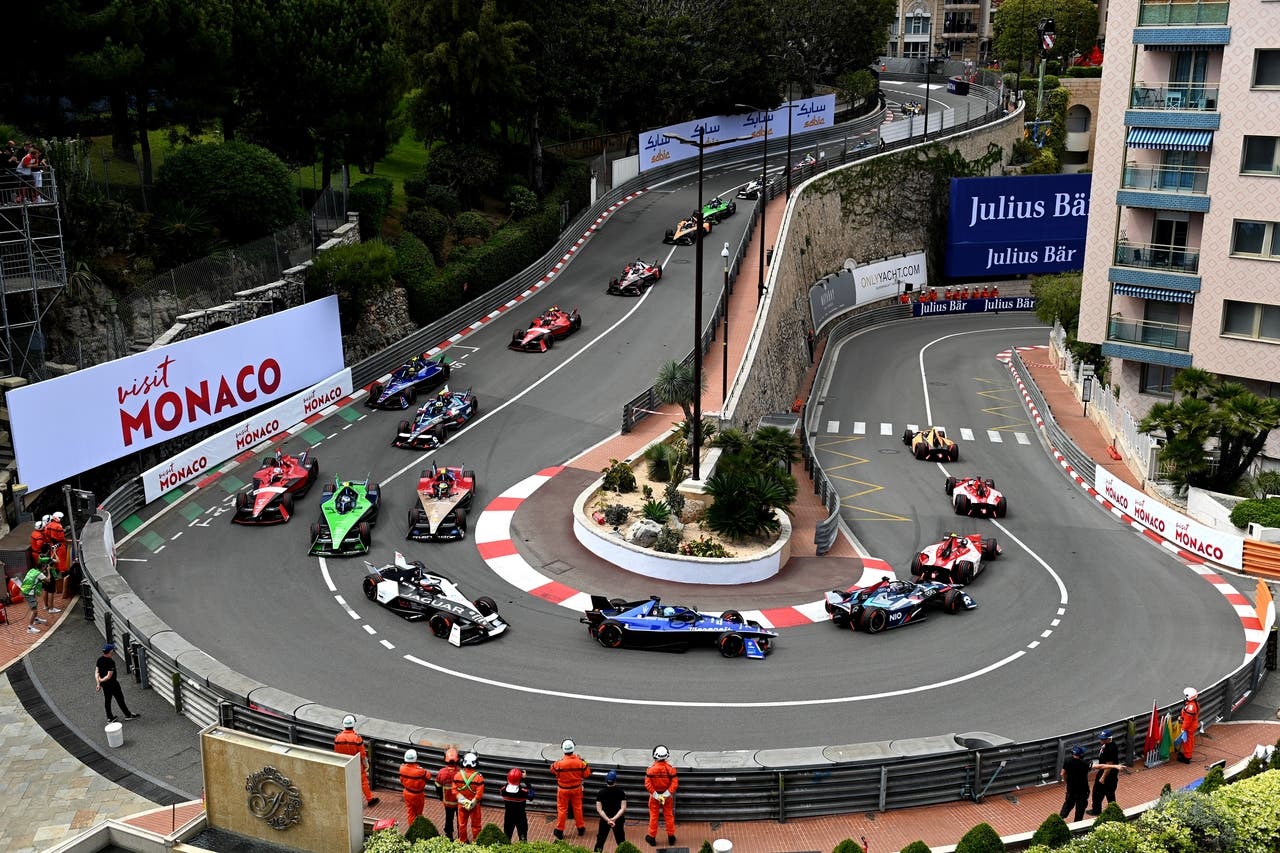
893 603
417 374
434 421
653 625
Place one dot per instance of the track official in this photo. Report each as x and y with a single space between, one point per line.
413 778
348 742
570 772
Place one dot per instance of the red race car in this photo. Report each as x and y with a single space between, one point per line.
548 327
280 479
956 559
976 496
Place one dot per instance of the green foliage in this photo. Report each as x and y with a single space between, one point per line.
522 202
1076 25
1058 299
673 386
706 847
1253 808
357 273
619 477
1045 163
745 500
1084 71
1265 512
657 511
616 515
97 226
386 841
775 447
1213 780
848 845
675 500
431 227
666 461
1052 832
646 491
372 199
1111 814
1267 482
1112 837
181 233
491 835
855 86
471 223
1274 762
732 440
981 839
1166 789
439 196
916 847
1188 822
625 847
710 426
245 188
668 541
466 170
421 829
704 547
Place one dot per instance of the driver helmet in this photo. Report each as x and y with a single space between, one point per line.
661 753
442 488
470 760
346 501
568 746
668 611
277 474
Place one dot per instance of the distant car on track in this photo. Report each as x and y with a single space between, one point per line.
348 511
281 478
635 278
751 189
444 495
409 590
551 325
955 559
893 603
931 443
976 496
430 427
651 624
718 209
416 375
686 231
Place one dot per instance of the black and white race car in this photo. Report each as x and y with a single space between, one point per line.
409 590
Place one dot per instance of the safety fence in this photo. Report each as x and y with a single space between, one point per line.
1058 438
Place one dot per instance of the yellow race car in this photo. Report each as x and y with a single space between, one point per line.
931 443
687 231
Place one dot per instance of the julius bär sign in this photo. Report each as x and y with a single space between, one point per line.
1006 226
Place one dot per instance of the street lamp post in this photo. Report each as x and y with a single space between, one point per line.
928 79
724 378
764 192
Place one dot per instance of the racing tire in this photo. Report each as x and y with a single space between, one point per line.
402 428
1002 508
670 236
286 505
242 501
733 616
460 519
731 644
954 454
375 391
685 241
657 273
949 486
874 621
609 635
327 492
592 631
906 437
374 494
370 588
486 606
468 474
917 566
364 534
920 452
313 474
314 531
962 504
410 396
765 644
577 323
990 549
951 601
413 522
440 625
963 572
733 208
548 341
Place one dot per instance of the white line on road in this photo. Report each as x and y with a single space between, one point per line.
1022 438
994 437
833 426
859 427
966 434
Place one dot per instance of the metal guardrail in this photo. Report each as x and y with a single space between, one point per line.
1058 438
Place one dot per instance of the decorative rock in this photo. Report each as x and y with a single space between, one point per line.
693 510
676 524
644 533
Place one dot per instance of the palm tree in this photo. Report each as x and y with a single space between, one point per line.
674 386
775 446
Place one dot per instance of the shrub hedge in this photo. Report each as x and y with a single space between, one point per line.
372 199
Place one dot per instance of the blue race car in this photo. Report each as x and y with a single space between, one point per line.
417 374
435 420
893 603
653 625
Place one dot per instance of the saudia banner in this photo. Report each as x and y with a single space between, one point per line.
857 285
197 462
64 426
1000 227
658 146
1172 526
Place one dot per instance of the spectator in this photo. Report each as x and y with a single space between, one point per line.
516 795
1075 772
611 805
347 742
38 166
413 778
661 783
109 685
1108 775
27 169
468 787
444 781
31 592
570 772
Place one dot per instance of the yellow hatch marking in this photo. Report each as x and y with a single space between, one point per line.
864 513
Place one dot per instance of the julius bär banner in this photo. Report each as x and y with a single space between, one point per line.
973 306
1019 224
64 426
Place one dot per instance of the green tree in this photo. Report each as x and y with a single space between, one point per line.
1075 23
818 40
856 86
674 387
357 273
1058 299
244 188
916 847
1052 832
981 839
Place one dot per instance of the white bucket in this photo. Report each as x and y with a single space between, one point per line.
722 845
115 734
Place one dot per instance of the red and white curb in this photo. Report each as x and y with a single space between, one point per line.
493 540
1006 356
1254 635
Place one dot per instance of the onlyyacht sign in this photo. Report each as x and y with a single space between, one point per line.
1015 225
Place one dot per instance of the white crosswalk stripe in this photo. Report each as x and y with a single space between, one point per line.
966 434
886 429
859 427
1022 438
833 426
994 437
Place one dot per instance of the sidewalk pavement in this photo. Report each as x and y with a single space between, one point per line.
59 774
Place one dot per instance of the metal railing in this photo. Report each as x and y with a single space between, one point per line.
1058 438
1173 95
1149 334
17 189
1159 256
1173 179
1175 12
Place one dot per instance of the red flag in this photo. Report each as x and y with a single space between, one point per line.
1153 730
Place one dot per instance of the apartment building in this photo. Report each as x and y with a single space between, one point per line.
1182 265
956 28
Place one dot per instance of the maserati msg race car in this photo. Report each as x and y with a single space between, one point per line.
931 443
347 512
686 231
956 559
417 374
548 327
280 479
635 278
892 604
410 591
976 496
444 496
653 625
431 426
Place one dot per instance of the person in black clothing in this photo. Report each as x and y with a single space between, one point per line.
611 805
1108 775
109 685
1075 772
516 794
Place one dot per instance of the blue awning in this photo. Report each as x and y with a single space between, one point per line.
1157 293
1168 139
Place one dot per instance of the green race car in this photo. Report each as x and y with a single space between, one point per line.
348 510
718 209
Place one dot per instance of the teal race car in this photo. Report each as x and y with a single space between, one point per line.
348 511
718 209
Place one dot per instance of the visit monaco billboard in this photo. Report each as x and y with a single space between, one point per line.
1014 225
76 422
658 146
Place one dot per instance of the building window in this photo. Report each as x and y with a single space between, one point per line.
1157 379
1256 239
1261 156
917 26
1266 68
1251 320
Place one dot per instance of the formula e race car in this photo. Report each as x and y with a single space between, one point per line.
807 162
431 426
892 604
650 624
686 231
280 479
751 189
347 512
931 443
976 496
956 559
548 327
417 374
409 590
635 278
444 496
716 210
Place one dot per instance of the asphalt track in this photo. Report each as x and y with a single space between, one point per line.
253 600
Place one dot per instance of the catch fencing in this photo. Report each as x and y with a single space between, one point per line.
1058 438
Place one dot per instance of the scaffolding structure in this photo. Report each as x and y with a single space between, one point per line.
33 269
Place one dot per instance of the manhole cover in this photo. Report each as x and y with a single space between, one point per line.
889 451
557 567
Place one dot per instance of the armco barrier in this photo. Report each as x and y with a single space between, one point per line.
1058 438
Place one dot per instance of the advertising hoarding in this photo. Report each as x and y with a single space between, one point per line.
999 227
197 462
67 425
1192 536
973 306
658 146
857 285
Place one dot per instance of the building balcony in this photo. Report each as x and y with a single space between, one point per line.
1171 179
961 29
1194 97
1156 14
1156 256
1169 336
